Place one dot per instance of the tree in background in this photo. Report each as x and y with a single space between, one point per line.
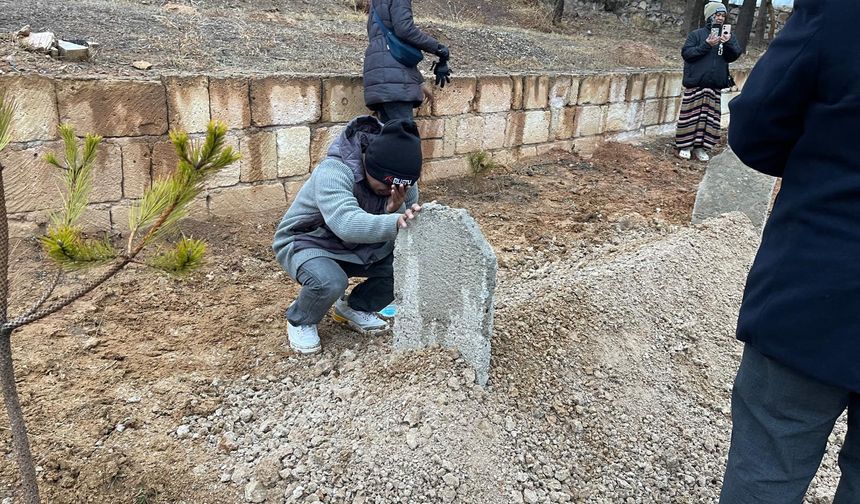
558 11
693 16
745 22
65 243
765 12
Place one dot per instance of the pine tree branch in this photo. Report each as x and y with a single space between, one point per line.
38 304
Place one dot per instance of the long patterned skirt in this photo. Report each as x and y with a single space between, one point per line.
699 122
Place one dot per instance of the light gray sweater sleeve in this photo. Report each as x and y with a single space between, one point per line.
341 212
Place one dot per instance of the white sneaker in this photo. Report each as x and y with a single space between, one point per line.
304 339
684 153
363 322
701 155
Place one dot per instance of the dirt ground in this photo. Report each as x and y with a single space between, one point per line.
326 36
105 383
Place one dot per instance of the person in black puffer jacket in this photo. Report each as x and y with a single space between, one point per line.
706 72
391 89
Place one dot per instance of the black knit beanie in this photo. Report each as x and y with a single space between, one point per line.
394 156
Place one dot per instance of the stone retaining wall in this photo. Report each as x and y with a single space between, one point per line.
283 125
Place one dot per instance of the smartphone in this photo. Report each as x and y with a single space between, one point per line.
715 31
727 30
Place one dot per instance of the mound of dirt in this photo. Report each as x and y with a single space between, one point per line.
610 383
637 54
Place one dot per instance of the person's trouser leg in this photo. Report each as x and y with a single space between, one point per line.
848 491
377 291
781 420
323 281
396 110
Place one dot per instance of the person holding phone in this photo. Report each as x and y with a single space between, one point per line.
392 89
342 224
707 54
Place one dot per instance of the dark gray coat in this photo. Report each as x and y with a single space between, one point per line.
386 80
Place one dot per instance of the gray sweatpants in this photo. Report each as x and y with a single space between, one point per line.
781 421
324 280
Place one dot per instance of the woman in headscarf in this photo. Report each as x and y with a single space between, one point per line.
707 54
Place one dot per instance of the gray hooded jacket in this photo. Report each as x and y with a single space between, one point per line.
386 80
335 214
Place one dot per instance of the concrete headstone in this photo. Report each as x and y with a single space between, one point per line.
730 186
444 280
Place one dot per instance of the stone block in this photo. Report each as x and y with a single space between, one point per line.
229 102
561 146
724 121
431 128
432 148
228 176
651 112
113 108
164 159
470 134
258 199
536 126
618 88
284 101
535 92
517 100
70 51
671 109
259 156
672 84
594 90
456 98
36 117
343 99
446 297
321 138
514 127
294 151
653 86
494 94
623 117
586 147
559 92
494 131
573 92
660 130
292 188
107 173
590 120
731 186
445 168
29 182
636 86
136 168
563 123
188 103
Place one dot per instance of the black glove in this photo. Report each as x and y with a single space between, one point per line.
443 73
443 53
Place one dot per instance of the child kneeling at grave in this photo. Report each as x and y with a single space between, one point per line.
343 223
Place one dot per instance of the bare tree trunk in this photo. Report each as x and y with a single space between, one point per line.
761 22
772 14
558 12
693 15
745 23
18 428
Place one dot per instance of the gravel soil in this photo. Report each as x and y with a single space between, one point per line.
612 363
325 36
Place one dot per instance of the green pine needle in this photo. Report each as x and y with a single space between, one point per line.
66 246
181 260
77 174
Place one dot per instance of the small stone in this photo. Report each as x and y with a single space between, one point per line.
454 383
91 343
246 415
510 425
469 376
344 393
120 427
562 475
530 496
70 51
240 475
412 438
39 42
448 494
142 65
255 492
323 367
133 400
348 355
451 480
23 32
413 418
267 471
183 431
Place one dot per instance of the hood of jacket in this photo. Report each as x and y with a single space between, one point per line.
348 146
